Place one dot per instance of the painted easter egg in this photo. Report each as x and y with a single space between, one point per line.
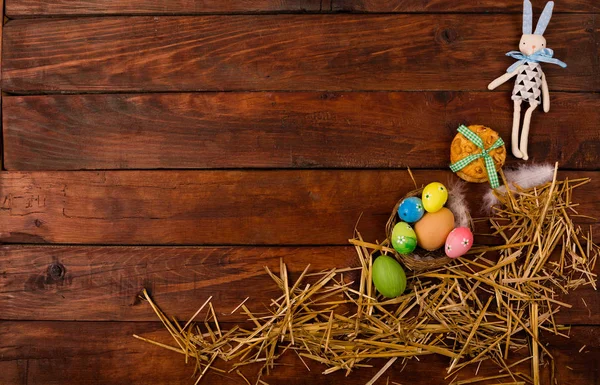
404 239
434 197
411 209
388 276
458 242
433 229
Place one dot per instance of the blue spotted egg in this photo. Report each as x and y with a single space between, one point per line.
411 209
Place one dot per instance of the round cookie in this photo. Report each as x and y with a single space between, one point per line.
462 147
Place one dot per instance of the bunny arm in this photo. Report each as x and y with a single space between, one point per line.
503 79
545 94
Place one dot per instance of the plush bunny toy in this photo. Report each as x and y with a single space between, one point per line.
530 85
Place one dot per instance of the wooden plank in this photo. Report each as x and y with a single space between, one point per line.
285 52
102 283
70 353
2 17
279 130
37 8
214 207
512 6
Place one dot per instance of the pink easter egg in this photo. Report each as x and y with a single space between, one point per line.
458 242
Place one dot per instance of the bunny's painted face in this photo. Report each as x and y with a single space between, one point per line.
531 43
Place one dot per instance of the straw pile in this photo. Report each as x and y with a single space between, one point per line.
476 309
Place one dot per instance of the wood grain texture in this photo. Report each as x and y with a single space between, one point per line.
102 283
214 207
2 15
285 52
513 6
280 130
1 93
74 353
36 8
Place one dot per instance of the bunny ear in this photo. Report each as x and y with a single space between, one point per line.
544 19
527 17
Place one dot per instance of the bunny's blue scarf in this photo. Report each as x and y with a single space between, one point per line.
544 55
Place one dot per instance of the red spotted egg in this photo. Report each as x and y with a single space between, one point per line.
458 242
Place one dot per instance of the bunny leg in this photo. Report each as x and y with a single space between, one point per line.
515 129
525 133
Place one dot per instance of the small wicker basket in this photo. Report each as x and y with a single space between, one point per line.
420 259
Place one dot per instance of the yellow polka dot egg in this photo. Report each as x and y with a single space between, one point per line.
434 197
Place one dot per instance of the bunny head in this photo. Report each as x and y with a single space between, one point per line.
533 42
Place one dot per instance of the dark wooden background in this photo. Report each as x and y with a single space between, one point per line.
180 146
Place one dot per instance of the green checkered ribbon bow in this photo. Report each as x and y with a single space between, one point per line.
485 154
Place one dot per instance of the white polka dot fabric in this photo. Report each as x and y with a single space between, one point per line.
544 19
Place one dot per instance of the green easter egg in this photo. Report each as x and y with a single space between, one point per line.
404 239
388 276
434 197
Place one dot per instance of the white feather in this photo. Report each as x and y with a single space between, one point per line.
490 200
457 203
525 176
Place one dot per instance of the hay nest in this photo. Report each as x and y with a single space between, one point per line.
420 259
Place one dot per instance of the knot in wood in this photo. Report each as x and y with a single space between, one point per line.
56 271
447 35
444 97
